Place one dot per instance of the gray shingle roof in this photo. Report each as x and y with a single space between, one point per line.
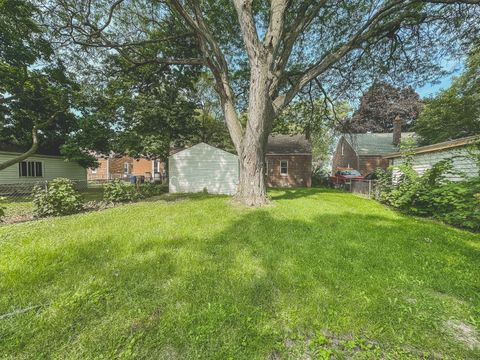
288 144
374 143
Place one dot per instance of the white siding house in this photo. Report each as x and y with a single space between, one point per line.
203 167
426 156
39 168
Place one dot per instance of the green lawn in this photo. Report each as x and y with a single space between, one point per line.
318 272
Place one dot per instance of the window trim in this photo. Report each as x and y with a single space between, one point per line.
157 165
35 162
283 173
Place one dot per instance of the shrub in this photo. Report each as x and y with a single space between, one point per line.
2 209
58 198
432 194
150 189
119 191
320 177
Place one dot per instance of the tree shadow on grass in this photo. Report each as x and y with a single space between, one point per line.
175 197
297 193
251 287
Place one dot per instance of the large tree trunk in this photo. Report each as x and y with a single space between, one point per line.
252 190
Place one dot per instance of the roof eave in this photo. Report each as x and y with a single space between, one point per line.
437 147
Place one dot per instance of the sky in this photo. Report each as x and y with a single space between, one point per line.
433 89
455 69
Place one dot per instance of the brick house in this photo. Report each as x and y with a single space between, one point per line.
364 152
118 166
288 161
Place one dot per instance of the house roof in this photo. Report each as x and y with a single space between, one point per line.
7 148
438 146
33 155
374 143
288 144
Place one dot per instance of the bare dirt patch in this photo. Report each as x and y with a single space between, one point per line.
463 333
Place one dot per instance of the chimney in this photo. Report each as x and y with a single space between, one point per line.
397 130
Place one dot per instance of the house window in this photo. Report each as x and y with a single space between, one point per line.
342 149
283 167
126 168
30 169
94 171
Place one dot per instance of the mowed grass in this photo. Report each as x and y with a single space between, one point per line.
317 273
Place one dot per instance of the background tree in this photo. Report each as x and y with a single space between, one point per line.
37 94
380 105
209 120
281 46
316 119
454 112
150 107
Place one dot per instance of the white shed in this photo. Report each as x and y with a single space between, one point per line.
203 167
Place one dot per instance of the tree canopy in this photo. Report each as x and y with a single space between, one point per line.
37 93
454 112
262 54
380 105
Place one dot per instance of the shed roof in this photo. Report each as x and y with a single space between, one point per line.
288 144
374 143
438 146
200 147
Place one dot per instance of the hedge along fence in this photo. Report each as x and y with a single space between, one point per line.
118 191
20 190
61 197
2 209
433 194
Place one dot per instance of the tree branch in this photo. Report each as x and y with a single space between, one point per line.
217 64
248 29
305 16
25 155
276 24
373 27
109 18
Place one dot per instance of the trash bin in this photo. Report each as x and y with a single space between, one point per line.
133 179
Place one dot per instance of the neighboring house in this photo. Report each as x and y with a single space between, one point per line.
425 157
288 161
203 168
118 167
364 152
38 168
